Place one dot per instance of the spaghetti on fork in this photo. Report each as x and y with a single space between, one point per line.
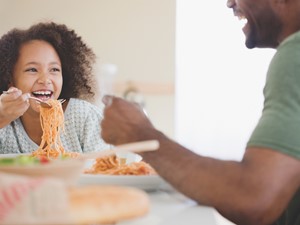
52 122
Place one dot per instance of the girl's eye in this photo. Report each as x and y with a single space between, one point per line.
31 70
55 69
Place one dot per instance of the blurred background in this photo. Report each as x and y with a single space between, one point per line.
134 41
183 60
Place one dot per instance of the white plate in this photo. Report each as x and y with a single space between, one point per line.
66 170
145 182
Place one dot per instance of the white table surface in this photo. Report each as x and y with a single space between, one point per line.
173 208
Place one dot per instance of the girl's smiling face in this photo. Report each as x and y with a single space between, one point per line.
38 71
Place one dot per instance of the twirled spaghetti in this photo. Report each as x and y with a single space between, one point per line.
52 122
111 165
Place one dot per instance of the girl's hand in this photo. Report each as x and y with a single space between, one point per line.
13 104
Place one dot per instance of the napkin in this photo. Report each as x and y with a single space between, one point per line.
33 201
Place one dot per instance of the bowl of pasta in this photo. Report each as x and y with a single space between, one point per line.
64 168
126 169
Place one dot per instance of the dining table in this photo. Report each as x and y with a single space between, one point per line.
170 207
167 205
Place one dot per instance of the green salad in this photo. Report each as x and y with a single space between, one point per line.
25 160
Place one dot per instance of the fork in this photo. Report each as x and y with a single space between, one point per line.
45 104
41 102
136 147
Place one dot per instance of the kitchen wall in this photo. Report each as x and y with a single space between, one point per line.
136 36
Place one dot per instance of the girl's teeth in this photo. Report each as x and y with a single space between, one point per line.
42 92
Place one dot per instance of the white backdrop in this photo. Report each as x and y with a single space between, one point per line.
219 82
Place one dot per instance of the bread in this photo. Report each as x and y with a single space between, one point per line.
107 204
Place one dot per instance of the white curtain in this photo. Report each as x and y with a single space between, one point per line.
219 82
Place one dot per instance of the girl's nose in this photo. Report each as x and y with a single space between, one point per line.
44 79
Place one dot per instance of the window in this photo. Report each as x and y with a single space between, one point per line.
219 82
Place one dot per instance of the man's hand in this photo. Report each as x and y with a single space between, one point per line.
124 121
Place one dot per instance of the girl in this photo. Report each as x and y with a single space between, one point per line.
47 61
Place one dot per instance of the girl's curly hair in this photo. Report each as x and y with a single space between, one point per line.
76 57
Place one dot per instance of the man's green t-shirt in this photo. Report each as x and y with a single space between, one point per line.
279 125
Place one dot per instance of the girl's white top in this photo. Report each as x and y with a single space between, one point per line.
82 131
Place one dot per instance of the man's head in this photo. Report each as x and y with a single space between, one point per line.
268 21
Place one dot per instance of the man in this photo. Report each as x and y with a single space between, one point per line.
264 188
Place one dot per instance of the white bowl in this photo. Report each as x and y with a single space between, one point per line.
67 170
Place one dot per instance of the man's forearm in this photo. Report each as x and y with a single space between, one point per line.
233 188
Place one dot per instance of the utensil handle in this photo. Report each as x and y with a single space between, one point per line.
136 147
